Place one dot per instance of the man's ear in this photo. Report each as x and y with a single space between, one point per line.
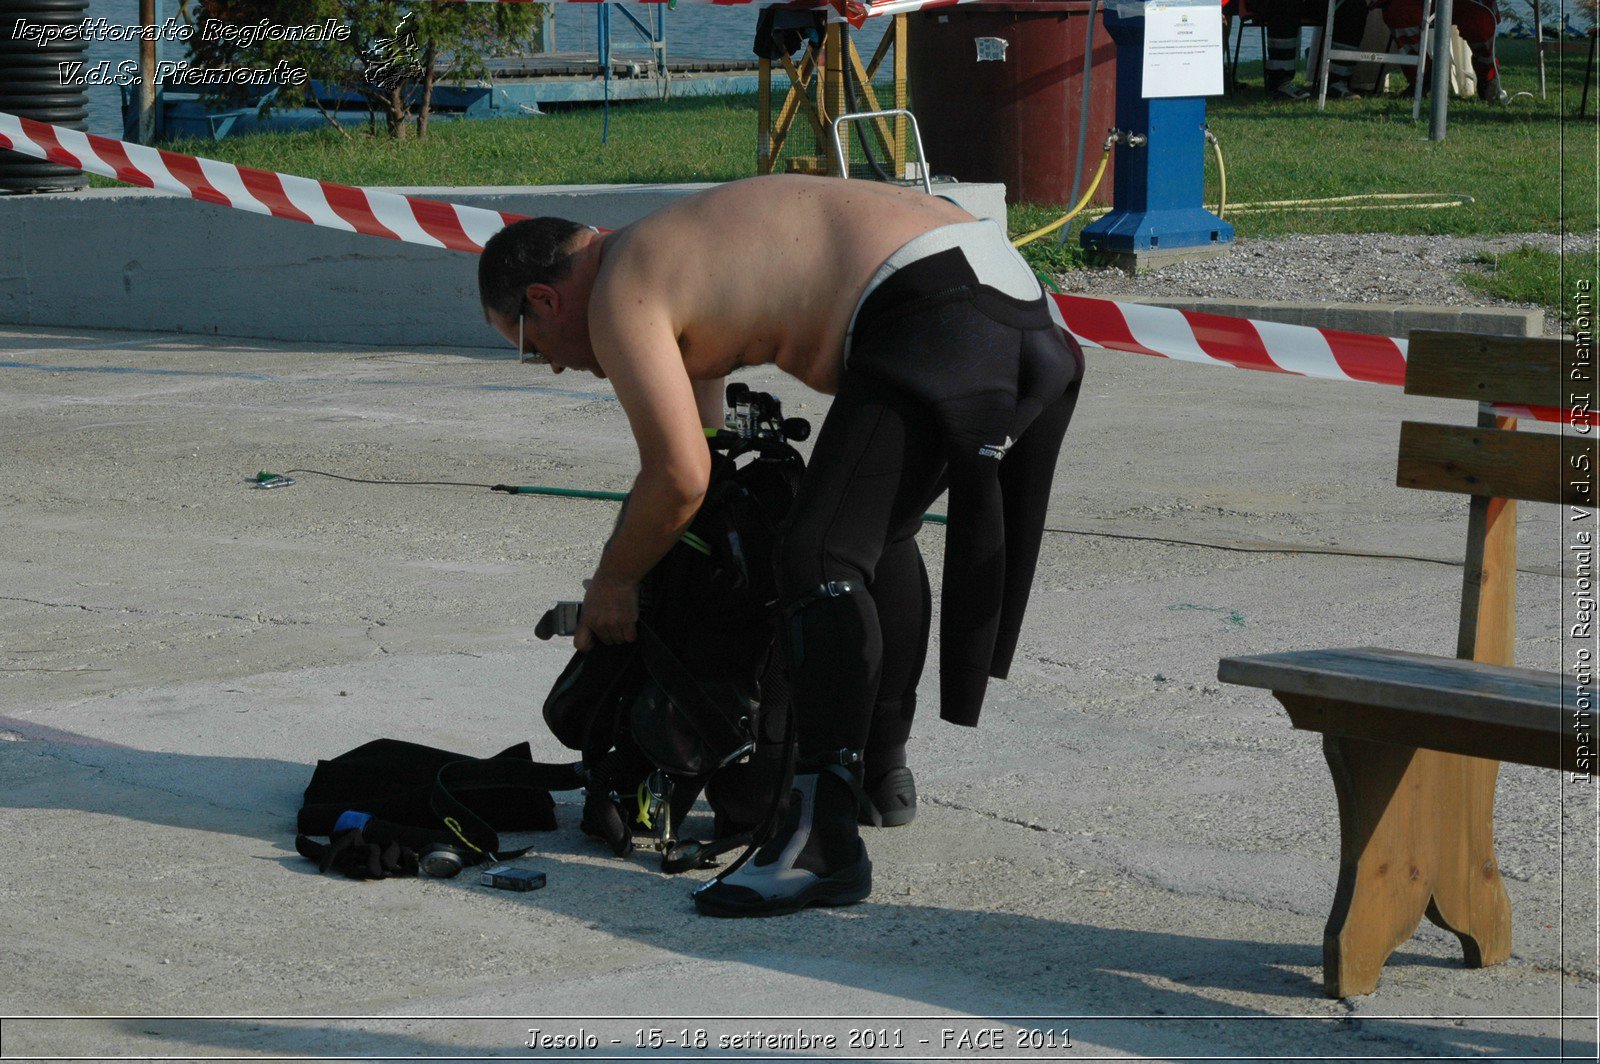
543 300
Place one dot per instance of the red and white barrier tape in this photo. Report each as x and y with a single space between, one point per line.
1187 336
323 203
1195 336
1244 343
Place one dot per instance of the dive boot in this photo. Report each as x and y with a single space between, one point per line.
816 857
891 791
894 797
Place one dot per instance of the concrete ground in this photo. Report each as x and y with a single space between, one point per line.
1124 848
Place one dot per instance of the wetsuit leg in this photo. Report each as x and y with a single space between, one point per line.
876 468
904 601
953 362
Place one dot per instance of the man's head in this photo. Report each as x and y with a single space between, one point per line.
523 285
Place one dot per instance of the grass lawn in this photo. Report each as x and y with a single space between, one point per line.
1529 166
692 139
1516 161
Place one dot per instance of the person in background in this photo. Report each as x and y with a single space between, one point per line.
1475 20
1284 20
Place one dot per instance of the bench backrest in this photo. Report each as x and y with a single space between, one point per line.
1492 462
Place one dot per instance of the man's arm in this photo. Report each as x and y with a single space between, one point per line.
637 347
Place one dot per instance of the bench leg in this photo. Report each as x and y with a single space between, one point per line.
1469 897
1416 838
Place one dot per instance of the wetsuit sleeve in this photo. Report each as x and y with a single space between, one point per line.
975 564
1025 479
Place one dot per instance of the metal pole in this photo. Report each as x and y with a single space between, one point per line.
1323 58
898 28
661 51
830 86
1441 70
147 73
1083 108
603 28
1538 45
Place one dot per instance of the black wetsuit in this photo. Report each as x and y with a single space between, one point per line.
956 375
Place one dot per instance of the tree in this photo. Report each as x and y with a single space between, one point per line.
391 56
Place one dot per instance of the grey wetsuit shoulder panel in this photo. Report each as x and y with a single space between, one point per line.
994 263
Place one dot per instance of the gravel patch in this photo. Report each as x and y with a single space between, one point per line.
1326 268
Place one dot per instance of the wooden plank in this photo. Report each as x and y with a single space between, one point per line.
799 79
1488 624
1421 683
1534 466
1525 738
884 44
900 67
831 94
864 82
791 101
764 119
1487 369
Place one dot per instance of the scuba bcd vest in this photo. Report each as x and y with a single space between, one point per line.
698 702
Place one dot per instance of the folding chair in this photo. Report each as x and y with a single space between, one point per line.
1384 58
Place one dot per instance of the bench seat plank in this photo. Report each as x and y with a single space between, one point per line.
1492 711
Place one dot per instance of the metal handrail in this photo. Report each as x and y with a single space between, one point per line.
916 132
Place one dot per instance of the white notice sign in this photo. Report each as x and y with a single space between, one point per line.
1182 48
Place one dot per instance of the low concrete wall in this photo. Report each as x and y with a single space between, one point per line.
1379 319
157 261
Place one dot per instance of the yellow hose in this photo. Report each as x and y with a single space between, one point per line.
1222 176
1358 202
1105 158
1267 207
1349 204
1361 201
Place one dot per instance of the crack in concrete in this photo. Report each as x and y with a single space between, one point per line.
108 774
256 618
1030 825
52 605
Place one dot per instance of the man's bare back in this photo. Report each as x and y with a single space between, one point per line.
763 271
766 270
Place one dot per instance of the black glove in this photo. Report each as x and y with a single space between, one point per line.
349 852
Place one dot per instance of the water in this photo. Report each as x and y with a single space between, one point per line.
105 101
694 29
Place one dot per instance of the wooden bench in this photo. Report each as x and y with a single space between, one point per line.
1415 741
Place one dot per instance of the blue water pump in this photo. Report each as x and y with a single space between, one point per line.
1160 165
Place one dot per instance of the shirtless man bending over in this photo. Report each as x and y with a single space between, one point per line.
947 371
